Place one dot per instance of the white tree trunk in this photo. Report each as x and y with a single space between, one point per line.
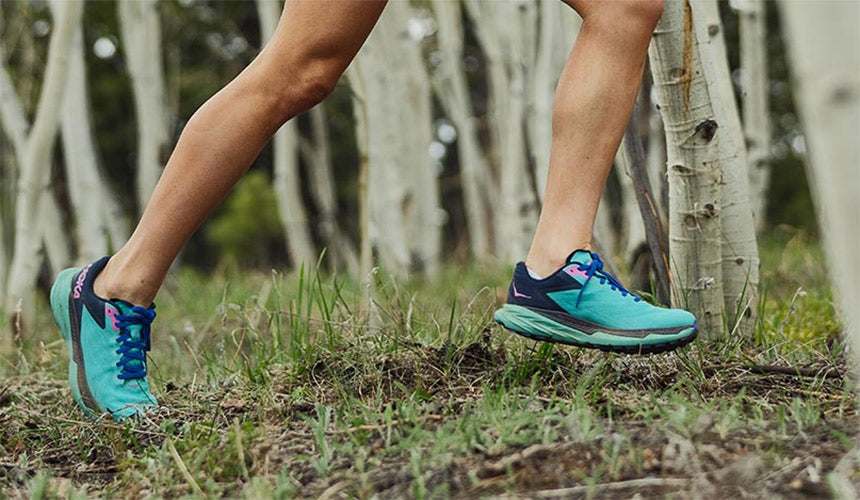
318 155
822 40
694 176
12 117
36 166
740 251
453 92
86 187
287 182
14 124
140 29
403 187
756 118
507 34
384 230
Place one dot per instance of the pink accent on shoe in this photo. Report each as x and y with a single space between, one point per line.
575 271
518 294
79 284
111 312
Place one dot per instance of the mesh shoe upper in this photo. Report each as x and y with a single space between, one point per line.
583 289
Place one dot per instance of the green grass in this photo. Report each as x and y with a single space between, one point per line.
291 385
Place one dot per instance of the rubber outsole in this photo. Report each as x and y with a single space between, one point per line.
642 349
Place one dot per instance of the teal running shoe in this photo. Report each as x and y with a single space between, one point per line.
107 342
583 305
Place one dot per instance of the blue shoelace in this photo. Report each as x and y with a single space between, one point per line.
596 267
133 352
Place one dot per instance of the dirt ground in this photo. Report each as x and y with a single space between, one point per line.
749 450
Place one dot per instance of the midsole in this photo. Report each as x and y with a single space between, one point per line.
519 318
589 327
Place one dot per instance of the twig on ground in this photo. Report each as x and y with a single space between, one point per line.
182 468
828 372
646 482
240 450
376 427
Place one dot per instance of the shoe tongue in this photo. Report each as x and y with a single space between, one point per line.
580 257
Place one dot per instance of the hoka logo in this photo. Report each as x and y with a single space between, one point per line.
79 283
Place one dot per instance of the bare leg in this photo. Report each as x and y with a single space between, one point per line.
593 103
312 46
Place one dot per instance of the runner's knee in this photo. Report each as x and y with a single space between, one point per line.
315 84
294 87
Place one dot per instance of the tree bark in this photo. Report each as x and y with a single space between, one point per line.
740 259
287 182
754 81
822 40
140 29
693 159
36 167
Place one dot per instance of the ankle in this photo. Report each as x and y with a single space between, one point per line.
107 285
544 263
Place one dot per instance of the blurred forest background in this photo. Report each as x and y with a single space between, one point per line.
206 43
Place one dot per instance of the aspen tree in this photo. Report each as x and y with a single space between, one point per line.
286 182
740 259
695 243
756 115
140 31
14 124
35 169
86 186
822 41
395 111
